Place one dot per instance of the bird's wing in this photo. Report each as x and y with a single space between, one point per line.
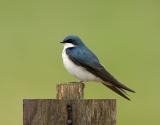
119 91
85 58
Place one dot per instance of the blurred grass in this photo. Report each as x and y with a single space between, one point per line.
125 35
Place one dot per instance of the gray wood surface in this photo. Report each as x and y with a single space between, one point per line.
84 112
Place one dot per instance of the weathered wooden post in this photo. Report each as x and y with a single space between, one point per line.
70 91
69 109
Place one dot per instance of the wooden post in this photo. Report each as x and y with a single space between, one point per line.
69 109
70 91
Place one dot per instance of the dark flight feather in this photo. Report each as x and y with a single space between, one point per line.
85 58
119 91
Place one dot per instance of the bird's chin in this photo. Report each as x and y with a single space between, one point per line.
68 45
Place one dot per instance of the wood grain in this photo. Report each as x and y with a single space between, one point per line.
84 112
72 90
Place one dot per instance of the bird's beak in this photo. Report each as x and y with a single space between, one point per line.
62 42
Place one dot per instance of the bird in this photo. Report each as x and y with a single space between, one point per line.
82 63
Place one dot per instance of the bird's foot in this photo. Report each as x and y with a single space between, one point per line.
73 82
78 82
83 84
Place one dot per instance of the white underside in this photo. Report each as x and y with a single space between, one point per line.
79 72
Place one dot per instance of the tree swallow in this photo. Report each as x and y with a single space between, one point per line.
82 63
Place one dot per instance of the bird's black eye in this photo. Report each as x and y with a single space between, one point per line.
68 41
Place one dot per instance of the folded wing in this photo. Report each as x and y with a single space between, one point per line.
87 59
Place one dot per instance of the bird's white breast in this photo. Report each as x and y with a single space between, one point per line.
79 72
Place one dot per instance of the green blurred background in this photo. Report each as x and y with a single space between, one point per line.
124 34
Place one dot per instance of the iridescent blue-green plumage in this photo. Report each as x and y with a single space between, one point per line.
85 58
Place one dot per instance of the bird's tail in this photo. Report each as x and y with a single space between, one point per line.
119 90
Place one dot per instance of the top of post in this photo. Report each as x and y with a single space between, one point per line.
71 90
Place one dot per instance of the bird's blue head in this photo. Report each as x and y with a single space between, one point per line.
73 39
